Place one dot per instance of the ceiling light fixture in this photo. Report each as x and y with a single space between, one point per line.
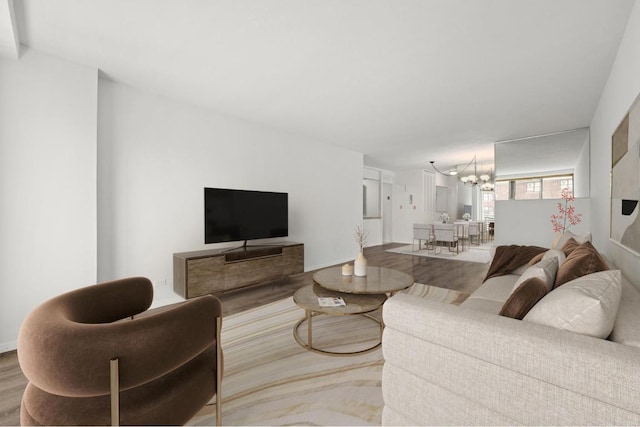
472 180
484 180
451 172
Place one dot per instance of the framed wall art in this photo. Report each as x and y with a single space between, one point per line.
625 181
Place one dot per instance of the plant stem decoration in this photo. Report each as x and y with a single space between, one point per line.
361 237
565 213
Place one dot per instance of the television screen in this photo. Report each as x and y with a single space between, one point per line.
233 215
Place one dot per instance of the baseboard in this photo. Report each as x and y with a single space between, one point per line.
329 264
164 295
8 346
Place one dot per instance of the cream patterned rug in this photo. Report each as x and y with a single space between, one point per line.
271 380
479 254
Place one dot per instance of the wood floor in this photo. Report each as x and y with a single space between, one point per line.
456 275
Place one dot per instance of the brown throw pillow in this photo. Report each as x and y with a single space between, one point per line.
569 246
524 298
583 260
536 259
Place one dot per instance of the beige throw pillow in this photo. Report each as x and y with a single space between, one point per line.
544 270
587 305
551 253
557 254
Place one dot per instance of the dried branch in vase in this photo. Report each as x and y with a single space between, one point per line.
361 237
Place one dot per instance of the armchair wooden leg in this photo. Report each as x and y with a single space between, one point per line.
115 392
218 372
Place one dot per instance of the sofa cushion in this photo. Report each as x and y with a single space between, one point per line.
524 298
518 271
557 254
483 305
564 237
497 288
551 253
544 270
569 246
587 305
625 329
490 297
536 259
583 260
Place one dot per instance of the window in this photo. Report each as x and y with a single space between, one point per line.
526 189
553 186
488 205
533 188
502 190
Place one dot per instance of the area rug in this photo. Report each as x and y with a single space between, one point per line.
271 380
480 254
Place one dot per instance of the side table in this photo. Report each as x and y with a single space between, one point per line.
362 304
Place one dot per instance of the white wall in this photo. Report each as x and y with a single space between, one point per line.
156 155
623 86
47 184
581 171
528 222
408 205
373 229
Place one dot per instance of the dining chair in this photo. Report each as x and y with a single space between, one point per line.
462 232
422 232
474 232
445 234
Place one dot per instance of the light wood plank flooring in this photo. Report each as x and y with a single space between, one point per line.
456 275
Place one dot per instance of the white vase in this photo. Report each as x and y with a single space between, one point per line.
360 265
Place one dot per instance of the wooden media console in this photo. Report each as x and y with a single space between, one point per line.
215 271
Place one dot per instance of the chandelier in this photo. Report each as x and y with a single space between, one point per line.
483 181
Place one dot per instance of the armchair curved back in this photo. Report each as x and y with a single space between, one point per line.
65 345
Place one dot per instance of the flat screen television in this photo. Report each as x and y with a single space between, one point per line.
236 215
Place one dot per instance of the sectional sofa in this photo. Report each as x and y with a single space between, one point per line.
567 355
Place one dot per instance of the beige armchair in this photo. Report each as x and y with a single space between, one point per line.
97 356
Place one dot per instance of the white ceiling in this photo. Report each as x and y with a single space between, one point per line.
403 81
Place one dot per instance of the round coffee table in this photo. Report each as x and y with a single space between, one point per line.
362 296
307 298
379 280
